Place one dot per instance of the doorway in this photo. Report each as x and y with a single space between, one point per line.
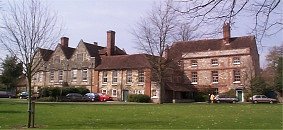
125 95
240 95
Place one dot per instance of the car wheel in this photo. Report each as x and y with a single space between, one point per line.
271 102
92 99
234 102
255 102
218 101
20 97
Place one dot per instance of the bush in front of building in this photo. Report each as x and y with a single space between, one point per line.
57 92
139 98
46 99
201 97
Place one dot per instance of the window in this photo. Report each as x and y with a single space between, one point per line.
114 93
153 93
57 60
104 91
141 76
138 91
214 76
80 57
60 75
236 61
51 76
40 76
216 91
237 76
194 77
104 77
74 75
214 62
84 74
114 76
129 76
194 63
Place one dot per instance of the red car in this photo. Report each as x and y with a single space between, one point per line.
104 97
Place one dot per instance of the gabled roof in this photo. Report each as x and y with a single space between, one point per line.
92 49
45 53
135 61
117 51
211 45
68 51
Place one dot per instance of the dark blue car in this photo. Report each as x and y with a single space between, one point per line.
91 97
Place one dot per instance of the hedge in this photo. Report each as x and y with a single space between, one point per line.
139 98
56 92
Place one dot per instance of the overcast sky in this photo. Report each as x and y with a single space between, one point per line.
90 19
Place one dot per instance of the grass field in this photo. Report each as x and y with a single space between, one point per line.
13 114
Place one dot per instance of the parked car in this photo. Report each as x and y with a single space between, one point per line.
224 98
104 97
91 97
74 97
23 95
262 99
5 94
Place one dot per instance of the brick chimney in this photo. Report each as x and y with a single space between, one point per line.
64 41
110 42
226 33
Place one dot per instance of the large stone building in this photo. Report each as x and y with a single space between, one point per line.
220 65
217 65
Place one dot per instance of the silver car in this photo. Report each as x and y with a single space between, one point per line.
262 99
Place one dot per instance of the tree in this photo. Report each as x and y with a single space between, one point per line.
12 70
155 32
265 14
258 86
27 26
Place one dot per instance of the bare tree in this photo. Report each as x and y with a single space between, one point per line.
266 15
155 32
27 26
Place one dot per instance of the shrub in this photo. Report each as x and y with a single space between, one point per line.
56 92
139 98
201 97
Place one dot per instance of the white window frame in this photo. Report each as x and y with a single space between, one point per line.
114 95
51 76
154 95
74 74
194 77
236 76
129 75
236 61
194 63
141 76
214 62
215 78
114 77
60 75
104 77
104 91
84 75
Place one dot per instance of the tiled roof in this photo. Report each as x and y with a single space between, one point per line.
211 45
45 53
92 49
117 51
134 61
68 51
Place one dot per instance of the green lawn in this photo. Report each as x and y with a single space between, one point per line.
13 114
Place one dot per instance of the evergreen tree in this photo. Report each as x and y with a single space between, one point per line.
12 70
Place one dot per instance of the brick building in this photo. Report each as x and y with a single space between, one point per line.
221 65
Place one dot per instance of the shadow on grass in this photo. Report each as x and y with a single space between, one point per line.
11 111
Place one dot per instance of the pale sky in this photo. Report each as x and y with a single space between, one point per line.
90 19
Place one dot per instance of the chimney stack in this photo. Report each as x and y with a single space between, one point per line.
64 41
226 33
110 42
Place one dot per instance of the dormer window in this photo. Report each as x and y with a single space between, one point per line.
214 62
236 61
194 63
